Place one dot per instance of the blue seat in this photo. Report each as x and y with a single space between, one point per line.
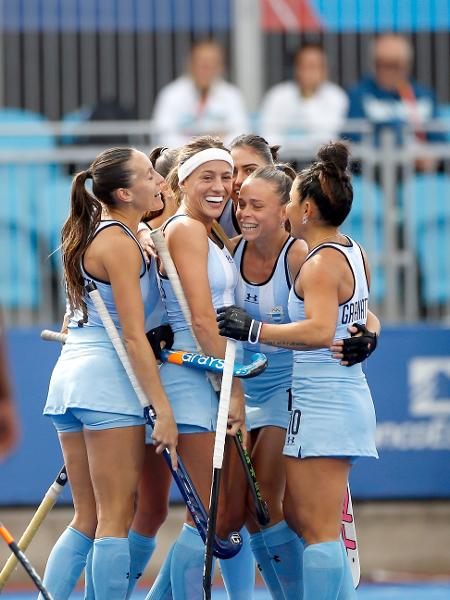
426 206
444 115
365 225
19 210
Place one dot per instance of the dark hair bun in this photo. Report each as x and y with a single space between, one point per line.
274 150
336 154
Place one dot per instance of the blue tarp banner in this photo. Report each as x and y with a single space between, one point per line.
409 376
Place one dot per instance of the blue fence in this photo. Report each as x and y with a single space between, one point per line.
410 380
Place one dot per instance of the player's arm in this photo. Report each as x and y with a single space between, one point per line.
188 246
122 262
320 286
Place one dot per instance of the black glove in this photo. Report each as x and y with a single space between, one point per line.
359 347
160 334
235 323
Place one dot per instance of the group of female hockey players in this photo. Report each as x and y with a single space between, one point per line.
260 259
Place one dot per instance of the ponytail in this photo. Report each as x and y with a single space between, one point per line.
77 231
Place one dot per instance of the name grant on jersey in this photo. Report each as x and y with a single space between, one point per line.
355 311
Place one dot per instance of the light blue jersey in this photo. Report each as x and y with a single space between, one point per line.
353 310
92 318
193 400
155 313
332 408
89 374
267 301
268 394
222 276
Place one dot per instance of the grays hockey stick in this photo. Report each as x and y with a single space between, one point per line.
348 532
6 535
42 511
193 360
160 244
221 548
219 447
196 360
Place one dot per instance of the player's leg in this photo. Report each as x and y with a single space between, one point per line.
68 557
278 549
316 487
151 512
115 462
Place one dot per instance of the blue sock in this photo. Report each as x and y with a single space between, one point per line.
66 563
322 571
265 565
88 583
347 591
286 550
111 568
238 573
141 550
162 589
186 570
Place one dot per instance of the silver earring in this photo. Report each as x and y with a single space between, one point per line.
304 220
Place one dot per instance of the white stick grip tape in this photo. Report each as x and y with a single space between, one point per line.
224 404
53 336
118 345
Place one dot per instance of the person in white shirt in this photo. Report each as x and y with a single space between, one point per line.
200 102
301 115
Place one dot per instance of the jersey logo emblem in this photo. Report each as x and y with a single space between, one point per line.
251 298
276 314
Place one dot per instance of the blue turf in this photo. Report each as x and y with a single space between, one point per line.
365 592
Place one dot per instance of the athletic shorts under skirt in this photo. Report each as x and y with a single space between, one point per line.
332 412
193 400
89 375
267 396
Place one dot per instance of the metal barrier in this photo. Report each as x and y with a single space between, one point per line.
400 214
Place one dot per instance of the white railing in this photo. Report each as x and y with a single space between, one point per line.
400 215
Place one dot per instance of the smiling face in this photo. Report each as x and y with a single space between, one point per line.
207 189
259 211
246 161
145 189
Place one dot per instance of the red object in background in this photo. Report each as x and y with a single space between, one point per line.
289 15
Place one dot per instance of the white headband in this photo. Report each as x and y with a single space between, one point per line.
200 158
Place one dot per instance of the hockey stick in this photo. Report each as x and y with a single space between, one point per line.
192 360
24 562
222 548
42 511
348 532
215 365
219 447
171 272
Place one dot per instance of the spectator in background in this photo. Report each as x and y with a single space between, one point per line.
389 97
8 421
305 113
200 102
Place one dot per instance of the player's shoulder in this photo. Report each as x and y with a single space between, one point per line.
296 254
116 237
188 233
